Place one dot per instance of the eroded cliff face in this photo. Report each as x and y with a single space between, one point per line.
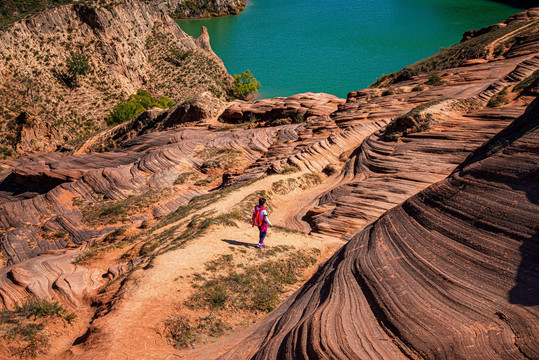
181 9
130 45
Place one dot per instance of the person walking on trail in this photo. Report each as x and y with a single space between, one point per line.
260 219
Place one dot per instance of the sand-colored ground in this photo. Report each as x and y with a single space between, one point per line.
134 328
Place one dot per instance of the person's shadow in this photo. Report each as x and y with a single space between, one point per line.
238 243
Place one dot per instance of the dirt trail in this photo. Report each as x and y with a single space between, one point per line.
492 46
134 329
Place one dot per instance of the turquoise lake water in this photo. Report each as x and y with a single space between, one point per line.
337 46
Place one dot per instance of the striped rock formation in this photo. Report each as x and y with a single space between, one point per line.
451 273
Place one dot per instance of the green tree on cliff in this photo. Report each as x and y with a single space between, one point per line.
77 65
245 84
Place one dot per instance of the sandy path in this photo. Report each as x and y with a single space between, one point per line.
492 46
134 328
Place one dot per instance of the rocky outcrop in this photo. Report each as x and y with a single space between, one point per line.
129 45
191 112
50 276
296 108
449 273
378 174
182 9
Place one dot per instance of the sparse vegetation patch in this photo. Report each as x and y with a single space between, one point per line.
23 330
184 331
499 99
110 212
421 117
255 288
530 81
218 158
303 182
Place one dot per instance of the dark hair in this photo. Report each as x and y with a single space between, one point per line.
261 201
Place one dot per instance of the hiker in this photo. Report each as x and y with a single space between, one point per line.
260 219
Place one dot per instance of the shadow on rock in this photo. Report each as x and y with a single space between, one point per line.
526 290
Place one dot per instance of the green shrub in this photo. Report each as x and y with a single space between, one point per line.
77 64
499 99
245 84
418 87
298 118
527 82
136 104
124 112
435 80
329 169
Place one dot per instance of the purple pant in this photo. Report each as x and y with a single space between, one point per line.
262 234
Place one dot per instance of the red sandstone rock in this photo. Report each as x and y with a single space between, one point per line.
302 105
450 273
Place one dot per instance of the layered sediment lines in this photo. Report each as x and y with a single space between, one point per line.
296 108
383 174
49 276
451 273
151 162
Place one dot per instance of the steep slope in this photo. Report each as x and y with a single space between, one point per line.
128 45
13 10
450 273
182 9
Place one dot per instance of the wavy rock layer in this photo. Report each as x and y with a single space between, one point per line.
451 273
383 174
50 276
292 108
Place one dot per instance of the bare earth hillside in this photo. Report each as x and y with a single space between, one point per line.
129 46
